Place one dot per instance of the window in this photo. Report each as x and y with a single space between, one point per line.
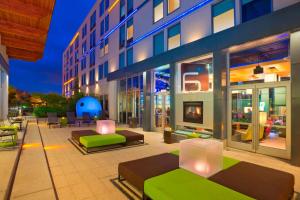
107 23
76 56
129 6
83 80
102 27
92 39
252 9
129 57
105 69
102 49
106 4
83 63
101 8
71 61
158 10
92 58
106 46
71 73
130 31
93 20
223 15
83 47
92 77
100 72
76 70
173 5
71 49
122 10
76 42
174 37
158 44
84 31
121 60
122 36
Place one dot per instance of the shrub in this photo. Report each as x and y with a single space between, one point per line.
43 110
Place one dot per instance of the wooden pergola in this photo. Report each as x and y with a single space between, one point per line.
24 26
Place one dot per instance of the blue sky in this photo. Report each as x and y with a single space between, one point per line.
44 76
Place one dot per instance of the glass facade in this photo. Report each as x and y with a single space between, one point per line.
174 36
158 10
252 9
158 43
223 15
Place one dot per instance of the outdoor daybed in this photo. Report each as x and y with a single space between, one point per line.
237 180
90 140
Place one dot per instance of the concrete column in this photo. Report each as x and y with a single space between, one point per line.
173 95
220 94
147 115
112 100
295 98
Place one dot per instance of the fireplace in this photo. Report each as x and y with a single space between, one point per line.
193 112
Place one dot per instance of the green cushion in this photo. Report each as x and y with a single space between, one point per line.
181 184
227 162
101 140
9 128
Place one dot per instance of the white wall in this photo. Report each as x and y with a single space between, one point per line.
206 97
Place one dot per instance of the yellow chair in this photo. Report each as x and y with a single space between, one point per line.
247 135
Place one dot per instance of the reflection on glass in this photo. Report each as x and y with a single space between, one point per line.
158 105
272 117
242 128
167 111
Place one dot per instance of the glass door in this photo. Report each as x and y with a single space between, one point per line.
259 118
241 108
161 111
273 119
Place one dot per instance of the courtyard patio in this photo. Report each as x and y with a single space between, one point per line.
78 176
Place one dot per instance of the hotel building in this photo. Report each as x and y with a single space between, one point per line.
229 67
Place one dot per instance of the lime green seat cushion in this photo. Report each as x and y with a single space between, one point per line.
181 184
227 162
9 128
101 140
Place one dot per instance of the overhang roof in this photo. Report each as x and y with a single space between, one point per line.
24 26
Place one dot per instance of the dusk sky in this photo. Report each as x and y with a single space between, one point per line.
44 76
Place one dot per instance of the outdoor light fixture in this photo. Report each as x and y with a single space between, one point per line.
106 127
201 156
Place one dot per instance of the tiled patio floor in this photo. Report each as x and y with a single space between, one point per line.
78 176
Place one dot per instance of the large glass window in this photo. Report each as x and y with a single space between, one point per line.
101 12
93 20
106 23
173 5
92 77
174 37
158 43
84 30
102 27
83 47
130 30
264 62
122 36
223 15
129 6
106 4
158 10
76 70
83 63
92 39
252 9
129 58
83 79
122 9
102 49
106 69
106 46
121 60
92 58
100 72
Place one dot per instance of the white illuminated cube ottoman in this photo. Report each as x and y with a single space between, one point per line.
201 156
106 126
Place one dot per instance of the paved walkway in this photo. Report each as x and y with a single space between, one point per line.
78 176
32 179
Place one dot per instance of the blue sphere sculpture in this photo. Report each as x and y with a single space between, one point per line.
89 105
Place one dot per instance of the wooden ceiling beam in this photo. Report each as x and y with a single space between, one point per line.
7 27
22 44
23 9
23 54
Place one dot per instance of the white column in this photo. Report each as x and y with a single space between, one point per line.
112 100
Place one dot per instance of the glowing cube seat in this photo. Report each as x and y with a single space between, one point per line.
106 126
201 156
